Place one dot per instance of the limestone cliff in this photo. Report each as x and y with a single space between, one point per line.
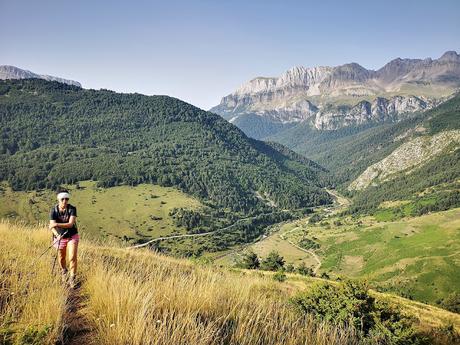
335 97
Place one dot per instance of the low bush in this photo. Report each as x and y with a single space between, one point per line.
349 304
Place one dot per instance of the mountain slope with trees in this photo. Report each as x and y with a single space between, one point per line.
66 134
348 152
55 134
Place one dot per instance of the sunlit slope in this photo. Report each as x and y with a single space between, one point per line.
418 257
123 212
139 297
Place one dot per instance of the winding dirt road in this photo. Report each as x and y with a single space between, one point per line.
195 235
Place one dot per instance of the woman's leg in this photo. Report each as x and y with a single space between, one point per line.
62 258
73 247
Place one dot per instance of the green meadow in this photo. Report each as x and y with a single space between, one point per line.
416 257
119 213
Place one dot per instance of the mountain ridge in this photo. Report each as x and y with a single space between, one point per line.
13 72
331 97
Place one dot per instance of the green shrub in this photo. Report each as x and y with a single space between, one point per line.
289 268
34 336
452 302
315 218
279 276
304 270
249 260
273 262
349 304
307 243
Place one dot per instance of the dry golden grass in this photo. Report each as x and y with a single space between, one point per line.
138 297
31 299
143 298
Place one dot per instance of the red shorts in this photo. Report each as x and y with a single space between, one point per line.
64 241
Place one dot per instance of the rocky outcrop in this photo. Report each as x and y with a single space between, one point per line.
379 110
12 72
407 157
334 97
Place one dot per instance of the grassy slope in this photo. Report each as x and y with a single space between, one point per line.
31 299
138 296
417 256
105 212
262 248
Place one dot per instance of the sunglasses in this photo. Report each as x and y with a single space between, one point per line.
65 199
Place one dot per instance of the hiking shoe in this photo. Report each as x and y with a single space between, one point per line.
64 278
73 283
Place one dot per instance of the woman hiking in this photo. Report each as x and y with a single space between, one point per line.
63 217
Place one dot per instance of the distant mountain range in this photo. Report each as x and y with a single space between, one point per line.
12 72
329 98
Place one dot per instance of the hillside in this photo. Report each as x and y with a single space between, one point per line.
408 157
139 297
131 138
394 161
403 247
415 257
67 134
126 213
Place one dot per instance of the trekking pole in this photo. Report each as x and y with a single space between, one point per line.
38 258
57 240
57 254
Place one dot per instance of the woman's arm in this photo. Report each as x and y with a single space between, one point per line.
52 227
68 225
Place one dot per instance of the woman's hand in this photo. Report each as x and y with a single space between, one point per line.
52 226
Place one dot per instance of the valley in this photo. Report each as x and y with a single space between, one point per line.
410 256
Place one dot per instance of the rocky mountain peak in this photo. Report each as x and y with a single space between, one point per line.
13 72
450 56
352 72
396 68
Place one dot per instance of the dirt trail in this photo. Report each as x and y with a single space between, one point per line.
340 203
193 235
75 327
310 252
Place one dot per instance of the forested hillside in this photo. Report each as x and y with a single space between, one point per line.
54 133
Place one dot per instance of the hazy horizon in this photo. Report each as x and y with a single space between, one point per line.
202 51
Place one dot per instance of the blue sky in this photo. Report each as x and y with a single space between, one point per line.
199 51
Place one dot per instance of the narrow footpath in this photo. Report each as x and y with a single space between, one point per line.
75 328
